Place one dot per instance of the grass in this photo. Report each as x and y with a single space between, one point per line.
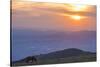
73 59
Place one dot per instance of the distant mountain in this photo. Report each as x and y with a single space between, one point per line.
54 34
62 56
64 53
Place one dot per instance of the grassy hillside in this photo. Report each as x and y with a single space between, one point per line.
64 56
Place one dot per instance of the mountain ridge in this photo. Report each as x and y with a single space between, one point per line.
66 56
65 53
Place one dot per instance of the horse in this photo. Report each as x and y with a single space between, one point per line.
31 59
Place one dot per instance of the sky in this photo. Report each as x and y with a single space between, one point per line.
53 16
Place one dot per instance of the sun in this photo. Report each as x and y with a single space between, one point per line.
76 17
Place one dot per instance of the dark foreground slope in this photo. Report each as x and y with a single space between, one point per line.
63 56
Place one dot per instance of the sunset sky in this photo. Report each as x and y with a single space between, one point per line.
41 27
53 16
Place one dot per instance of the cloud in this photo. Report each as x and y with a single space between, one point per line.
37 15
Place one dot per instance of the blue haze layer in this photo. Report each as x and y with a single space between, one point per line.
29 42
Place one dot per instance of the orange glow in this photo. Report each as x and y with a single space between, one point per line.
53 15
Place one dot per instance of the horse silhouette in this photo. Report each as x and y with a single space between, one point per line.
31 59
